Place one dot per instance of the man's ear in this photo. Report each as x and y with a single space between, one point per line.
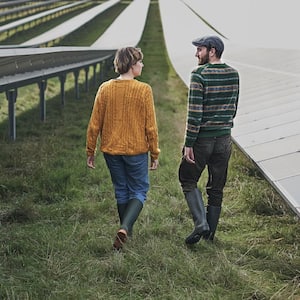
212 52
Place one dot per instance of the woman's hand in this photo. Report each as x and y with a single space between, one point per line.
154 164
91 162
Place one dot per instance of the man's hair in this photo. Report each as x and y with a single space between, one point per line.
125 58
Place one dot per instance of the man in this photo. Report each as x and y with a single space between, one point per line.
212 104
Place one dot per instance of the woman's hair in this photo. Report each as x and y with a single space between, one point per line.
125 58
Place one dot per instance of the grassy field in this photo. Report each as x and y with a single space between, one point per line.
58 218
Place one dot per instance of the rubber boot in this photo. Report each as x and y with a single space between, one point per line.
213 215
197 209
121 211
130 215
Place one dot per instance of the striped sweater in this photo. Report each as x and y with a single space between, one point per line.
212 101
124 117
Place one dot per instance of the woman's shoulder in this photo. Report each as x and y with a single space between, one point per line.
143 84
105 85
136 84
108 82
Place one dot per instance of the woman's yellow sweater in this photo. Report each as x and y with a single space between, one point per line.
124 117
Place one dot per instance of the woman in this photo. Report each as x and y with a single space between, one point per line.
124 117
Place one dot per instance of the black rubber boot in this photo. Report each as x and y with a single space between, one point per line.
131 214
213 215
197 209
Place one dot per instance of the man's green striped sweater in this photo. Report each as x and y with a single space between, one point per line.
212 101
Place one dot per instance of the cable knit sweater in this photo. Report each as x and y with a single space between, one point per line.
124 117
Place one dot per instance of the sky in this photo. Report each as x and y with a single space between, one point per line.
257 23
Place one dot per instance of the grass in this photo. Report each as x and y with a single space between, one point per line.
58 218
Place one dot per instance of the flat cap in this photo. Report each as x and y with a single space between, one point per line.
210 41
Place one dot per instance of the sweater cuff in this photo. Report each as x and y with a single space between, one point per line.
189 142
90 152
154 156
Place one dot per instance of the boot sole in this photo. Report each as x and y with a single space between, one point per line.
120 240
195 238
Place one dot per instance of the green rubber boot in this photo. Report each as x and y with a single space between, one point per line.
131 214
213 215
197 209
121 211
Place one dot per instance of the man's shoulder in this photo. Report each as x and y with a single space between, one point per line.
231 67
209 69
199 69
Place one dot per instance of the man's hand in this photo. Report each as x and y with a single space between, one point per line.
189 155
91 162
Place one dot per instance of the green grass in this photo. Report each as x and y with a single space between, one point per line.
58 218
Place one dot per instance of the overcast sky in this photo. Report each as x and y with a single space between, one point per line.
262 23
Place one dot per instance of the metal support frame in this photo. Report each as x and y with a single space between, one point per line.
94 74
42 86
101 73
62 79
76 75
86 70
11 96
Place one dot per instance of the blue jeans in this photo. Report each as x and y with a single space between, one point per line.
214 153
129 174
